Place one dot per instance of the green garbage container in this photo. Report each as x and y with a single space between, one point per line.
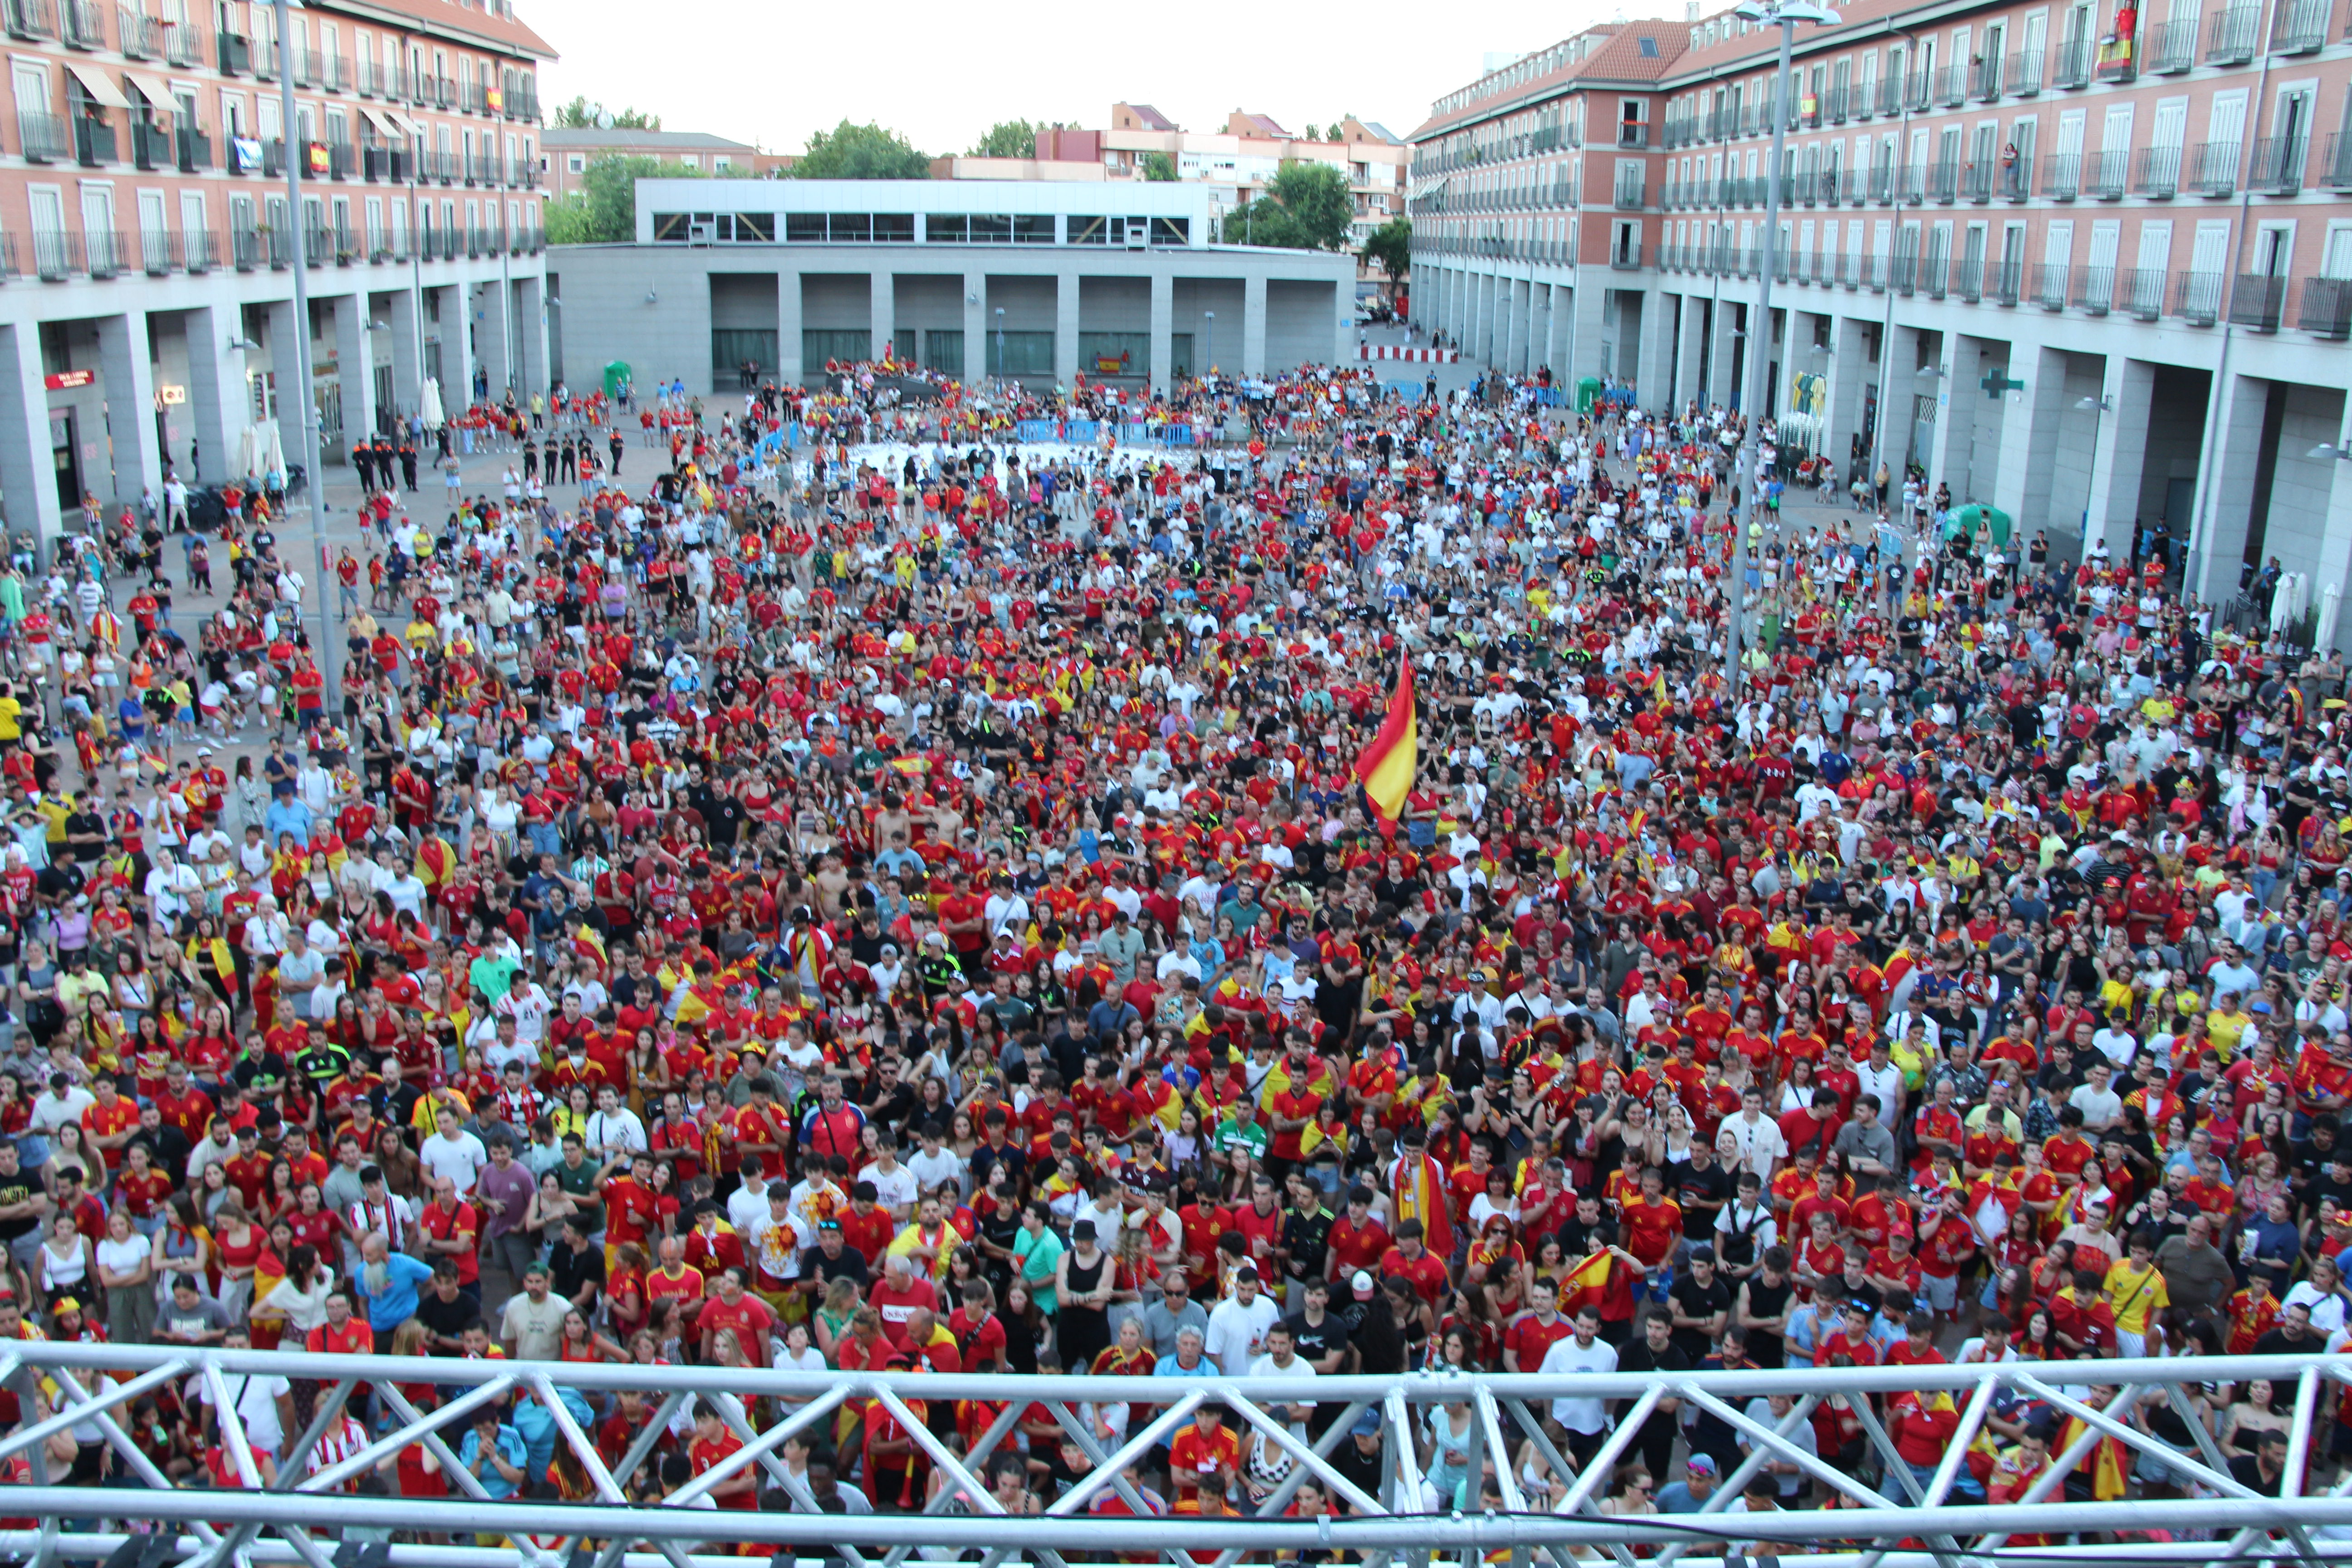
617 375
1588 393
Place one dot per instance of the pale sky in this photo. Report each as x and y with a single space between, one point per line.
942 74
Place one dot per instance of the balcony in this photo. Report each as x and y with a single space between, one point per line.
235 52
94 143
1976 182
30 19
2049 285
2008 282
1632 135
194 149
1952 84
2326 307
2094 291
246 248
56 255
104 250
318 244
2061 177
2234 34
2278 166
2015 182
347 248
1835 106
1890 96
2197 297
1984 78
280 245
340 75
2107 173
200 250
2158 173
184 46
1968 279
1629 194
83 23
1919 90
2335 170
42 136
1914 183
2022 75
1882 184
379 244
343 160
2171 46
142 36
444 91
2073 67
1934 275
2299 25
1906 274
2139 292
1943 180
2257 303
2214 168
152 147
159 252
273 159
442 166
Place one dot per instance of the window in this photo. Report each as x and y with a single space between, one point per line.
821 346
1649 47
731 346
850 229
945 228
1034 228
1115 353
578 163
1020 353
894 228
804 228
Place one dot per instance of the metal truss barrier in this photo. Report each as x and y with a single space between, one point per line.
1913 1526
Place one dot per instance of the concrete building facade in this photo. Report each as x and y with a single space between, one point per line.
1035 280
147 312
2091 265
567 151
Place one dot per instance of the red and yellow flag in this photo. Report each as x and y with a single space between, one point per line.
1587 1284
1386 767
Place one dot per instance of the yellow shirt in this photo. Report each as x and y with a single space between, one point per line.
2135 1294
10 729
54 812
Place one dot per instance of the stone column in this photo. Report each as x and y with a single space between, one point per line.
1253 324
2029 423
355 375
2218 546
791 368
128 371
28 479
2119 455
1163 330
218 397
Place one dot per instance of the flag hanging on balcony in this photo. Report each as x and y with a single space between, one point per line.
1386 767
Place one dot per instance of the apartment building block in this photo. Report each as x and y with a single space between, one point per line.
147 251
2088 263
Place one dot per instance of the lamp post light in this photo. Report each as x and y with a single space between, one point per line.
1785 14
305 389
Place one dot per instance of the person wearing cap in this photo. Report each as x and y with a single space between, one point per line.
1689 1494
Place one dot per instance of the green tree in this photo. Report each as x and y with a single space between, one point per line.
1390 248
1314 132
1264 222
1010 139
852 152
1307 207
605 209
581 115
1159 166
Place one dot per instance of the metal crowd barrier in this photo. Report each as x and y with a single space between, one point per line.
1902 1522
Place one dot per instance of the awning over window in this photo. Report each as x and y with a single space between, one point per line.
153 89
98 87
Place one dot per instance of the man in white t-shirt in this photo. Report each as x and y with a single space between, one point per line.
453 1154
1584 1352
1238 1324
264 1405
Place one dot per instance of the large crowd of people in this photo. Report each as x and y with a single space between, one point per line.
902 901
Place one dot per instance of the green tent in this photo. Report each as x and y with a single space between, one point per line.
617 375
1964 520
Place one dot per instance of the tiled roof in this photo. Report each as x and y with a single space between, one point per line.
456 16
1638 51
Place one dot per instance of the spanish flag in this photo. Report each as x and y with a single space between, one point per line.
1587 1283
1386 766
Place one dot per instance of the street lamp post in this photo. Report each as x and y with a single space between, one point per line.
1785 14
1209 354
306 391
1000 343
